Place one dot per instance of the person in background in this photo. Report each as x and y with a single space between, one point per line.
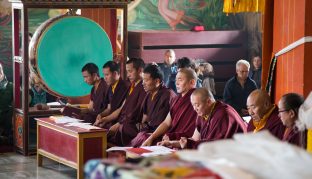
38 96
169 69
208 77
288 108
239 87
256 70
6 109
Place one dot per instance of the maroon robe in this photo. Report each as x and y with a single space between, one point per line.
98 97
293 136
273 124
156 111
117 98
129 116
183 117
223 123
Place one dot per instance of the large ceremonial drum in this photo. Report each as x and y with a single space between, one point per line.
59 49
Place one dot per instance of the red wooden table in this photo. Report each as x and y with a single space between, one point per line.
69 145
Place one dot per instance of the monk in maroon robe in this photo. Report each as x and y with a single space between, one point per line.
156 104
215 121
180 121
125 129
288 107
90 73
264 115
117 93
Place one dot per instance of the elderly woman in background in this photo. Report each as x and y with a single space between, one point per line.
208 77
288 107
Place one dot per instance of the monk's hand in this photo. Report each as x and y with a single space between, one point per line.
98 120
165 138
183 142
165 143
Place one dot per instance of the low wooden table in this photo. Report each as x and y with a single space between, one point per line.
71 146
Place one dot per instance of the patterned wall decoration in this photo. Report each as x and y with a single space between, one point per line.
185 14
18 128
177 14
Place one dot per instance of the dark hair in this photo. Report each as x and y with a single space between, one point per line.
113 66
91 68
292 101
154 71
137 63
184 62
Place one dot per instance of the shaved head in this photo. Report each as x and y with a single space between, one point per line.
258 104
202 101
203 93
260 96
189 73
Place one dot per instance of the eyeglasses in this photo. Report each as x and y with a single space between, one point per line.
280 111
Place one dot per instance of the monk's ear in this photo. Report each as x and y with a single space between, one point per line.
157 80
141 70
193 82
292 113
208 101
114 73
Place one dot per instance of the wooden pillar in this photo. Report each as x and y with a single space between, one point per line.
267 40
292 21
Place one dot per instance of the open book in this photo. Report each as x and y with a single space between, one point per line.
147 151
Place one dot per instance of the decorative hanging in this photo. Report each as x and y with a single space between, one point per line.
237 6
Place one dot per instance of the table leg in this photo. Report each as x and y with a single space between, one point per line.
39 160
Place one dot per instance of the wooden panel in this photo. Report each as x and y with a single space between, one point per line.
93 152
267 40
208 54
208 45
219 89
308 50
221 48
290 21
49 138
152 38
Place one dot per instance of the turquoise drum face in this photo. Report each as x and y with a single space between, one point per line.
64 48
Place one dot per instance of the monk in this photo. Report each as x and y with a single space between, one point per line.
216 120
90 73
264 115
180 121
156 104
117 93
129 114
288 107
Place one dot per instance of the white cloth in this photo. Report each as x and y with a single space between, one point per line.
258 155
